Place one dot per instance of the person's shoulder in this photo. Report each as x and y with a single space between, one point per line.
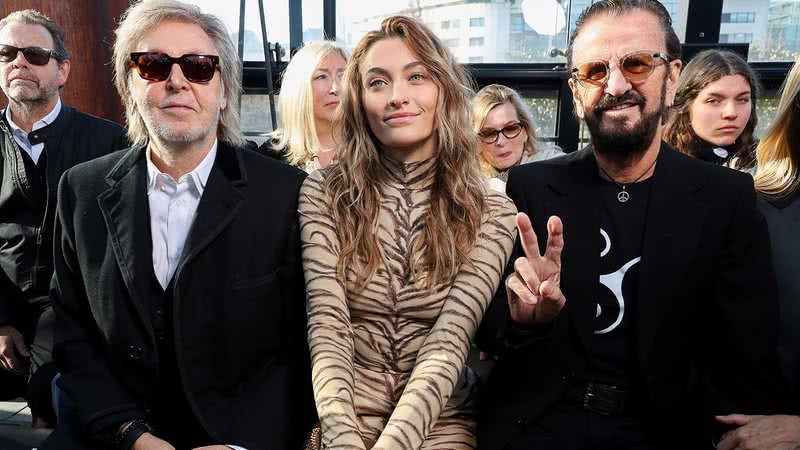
544 151
94 122
498 203
268 148
254 160
95 171
105 162
706 173
543 170
316 179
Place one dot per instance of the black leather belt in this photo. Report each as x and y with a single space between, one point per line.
604 399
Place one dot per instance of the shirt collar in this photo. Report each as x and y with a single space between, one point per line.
41 123
198 176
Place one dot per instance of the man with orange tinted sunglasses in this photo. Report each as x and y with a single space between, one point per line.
641 300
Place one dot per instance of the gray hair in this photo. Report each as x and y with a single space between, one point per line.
34 17
139 20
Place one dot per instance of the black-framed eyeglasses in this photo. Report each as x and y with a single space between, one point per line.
35 55
636 67
510 131
155 66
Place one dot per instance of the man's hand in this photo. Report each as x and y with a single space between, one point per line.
149 442
534 289
760 432
13 351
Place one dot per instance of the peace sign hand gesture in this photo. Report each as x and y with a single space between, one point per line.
534 289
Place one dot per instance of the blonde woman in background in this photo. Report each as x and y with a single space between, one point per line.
308 100
507 133
777 180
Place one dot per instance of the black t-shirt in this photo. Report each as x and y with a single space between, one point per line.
611 350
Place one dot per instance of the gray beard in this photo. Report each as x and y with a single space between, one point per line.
620 145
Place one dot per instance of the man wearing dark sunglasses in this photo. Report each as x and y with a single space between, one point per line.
640 301
40 137
179 293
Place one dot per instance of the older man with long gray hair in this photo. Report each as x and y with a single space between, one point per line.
179 293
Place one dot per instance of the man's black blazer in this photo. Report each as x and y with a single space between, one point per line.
705 323
239 302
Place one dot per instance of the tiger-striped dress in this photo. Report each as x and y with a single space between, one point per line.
389 361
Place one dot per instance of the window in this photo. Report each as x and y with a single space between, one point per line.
771 27
255 120
517 23
523 31
767 109
476 59
543 104
736 38
277 19
739 17
312 20
476 42
450 43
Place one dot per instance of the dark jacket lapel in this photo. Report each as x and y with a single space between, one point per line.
574 198
674 218
125 210
218 206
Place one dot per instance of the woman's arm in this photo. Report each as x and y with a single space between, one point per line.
330 334
442 357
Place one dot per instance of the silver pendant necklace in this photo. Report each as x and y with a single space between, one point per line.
623 195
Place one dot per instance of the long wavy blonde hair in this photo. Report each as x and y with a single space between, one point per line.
296 134
457 203
778 153
484 102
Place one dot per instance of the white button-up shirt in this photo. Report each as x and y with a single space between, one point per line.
35 151
172 210
173 206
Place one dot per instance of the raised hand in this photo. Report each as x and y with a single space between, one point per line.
534 289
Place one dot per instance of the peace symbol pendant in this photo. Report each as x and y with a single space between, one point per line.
623 196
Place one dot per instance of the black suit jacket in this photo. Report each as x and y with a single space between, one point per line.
705 325
26 218
783 220
239 302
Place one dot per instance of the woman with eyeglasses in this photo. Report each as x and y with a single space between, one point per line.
777 180
507 136
714 114
403 248
308 100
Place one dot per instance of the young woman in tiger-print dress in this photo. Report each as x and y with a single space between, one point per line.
403 248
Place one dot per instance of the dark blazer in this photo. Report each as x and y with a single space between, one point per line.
783 220
239 302
705 324
26 224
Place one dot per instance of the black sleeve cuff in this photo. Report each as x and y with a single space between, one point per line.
519 336
107 429
132 432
